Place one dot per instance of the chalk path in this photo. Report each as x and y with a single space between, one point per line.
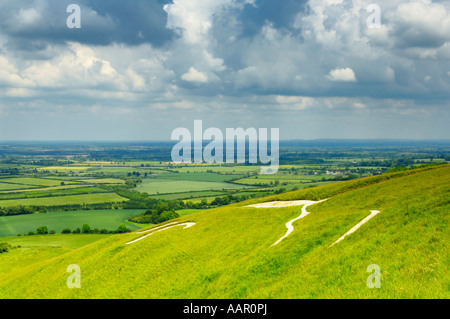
365 220
160 228
289 226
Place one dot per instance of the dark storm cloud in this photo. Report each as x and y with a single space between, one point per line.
136 21
129 22
280 13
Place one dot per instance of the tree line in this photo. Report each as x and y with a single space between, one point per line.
85 229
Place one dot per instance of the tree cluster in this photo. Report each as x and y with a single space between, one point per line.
22 210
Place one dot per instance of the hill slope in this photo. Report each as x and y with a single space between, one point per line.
227 253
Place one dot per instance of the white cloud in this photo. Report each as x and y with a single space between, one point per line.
28 16
79 66
342 75
420 24
295 102
9 75
192 18
215 64
138 81
195 76
20 92
359 105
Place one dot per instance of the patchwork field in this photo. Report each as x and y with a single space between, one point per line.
57 221
190 195
45 189
206 177
64 200
216 169
7 187
34 181
64 168
103 181
162 186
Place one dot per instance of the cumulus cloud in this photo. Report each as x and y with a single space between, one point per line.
195 76
420 24
342 75
10 77
245 57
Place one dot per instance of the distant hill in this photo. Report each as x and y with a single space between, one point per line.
227 252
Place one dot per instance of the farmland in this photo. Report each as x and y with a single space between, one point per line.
83 200
64 200
163 186
33 181
112 177
228 252
57 221
7 186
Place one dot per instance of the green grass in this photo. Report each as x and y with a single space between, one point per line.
109 219
69 241
103 181
66 177
120 170
202 168
65 200
34 249
185 212
55 192
44 189
228 253
34 181
63 168
284 178
199 200
9 187
202 176
189 195
162 186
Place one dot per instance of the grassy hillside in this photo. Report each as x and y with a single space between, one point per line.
34 249
228 253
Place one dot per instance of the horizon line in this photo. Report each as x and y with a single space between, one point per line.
281 140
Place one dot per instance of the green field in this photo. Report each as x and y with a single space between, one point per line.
206 177
50 193
9 187
64 168
34 181
189 195
45 189
119 170
162 186
202 168
228 252
103 181
64 200
57 221
200 199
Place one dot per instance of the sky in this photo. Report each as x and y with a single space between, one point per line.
138 69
